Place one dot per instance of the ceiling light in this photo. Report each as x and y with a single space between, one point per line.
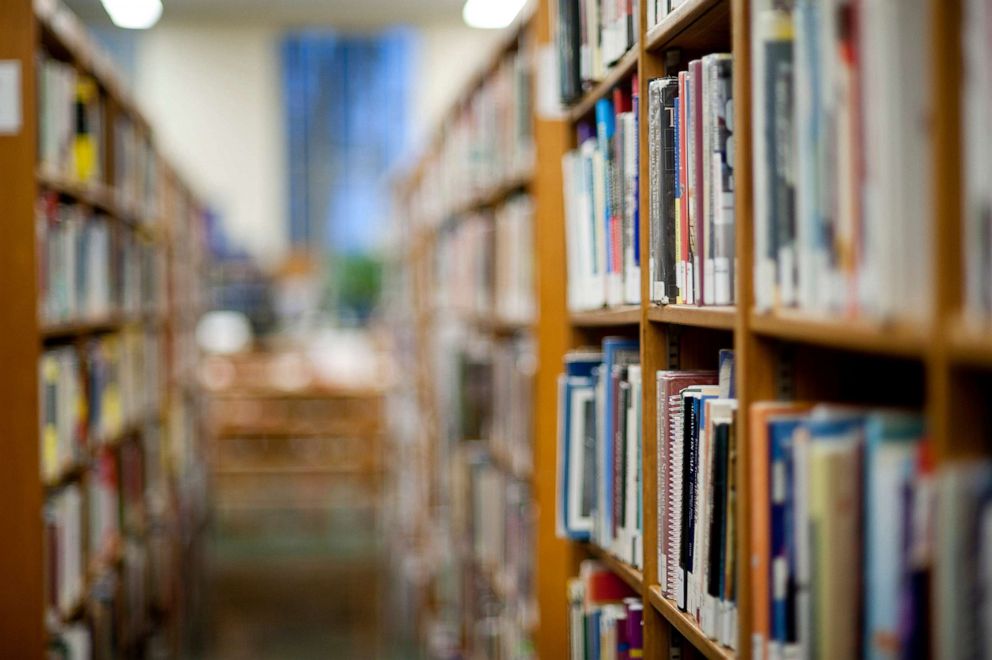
490 14
133 14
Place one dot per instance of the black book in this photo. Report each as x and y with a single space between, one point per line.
568 37
715 561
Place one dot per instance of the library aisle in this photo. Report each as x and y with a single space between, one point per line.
496 329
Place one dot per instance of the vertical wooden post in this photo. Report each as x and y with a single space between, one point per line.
21 555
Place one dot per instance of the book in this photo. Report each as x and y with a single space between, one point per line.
605 616
602 206
669 388
843 182
662 182
977 160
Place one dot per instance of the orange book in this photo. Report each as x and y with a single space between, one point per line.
760 526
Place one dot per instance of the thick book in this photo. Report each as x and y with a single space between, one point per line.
663 211
773 177
760 498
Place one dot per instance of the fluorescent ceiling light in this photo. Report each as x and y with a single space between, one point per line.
490 14
133 14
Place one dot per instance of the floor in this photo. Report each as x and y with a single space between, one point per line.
295 601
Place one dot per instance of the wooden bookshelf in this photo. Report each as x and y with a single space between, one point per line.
624 68
171 229
717 318
424 228
946 359
633 577
606 318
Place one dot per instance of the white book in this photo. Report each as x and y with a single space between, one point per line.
632 271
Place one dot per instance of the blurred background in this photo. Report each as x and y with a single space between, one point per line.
294 119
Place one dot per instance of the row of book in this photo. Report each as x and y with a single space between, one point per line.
599 449
92 568
89 397
605 617
514 370
591 36
602 207
91 267
842 168
72 138
71 122
515 286
495 511
659 9
976 30
697 495
484 264
691 184
487 144
841 524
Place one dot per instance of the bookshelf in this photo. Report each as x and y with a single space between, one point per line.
939 365
122 343
466 243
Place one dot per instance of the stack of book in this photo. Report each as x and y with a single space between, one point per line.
963 556
76 280
135 170
490 141
599 449
659 9
606 619
63 414
514 368
691 184
697 496
499 522
515 288
602 206
70 123
464 268
842 163
591 36
977 146
840 531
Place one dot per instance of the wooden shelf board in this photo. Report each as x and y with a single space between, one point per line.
969 344
69 474
632 576
494 196
65 331
291 471
687 626
695 25
97 195
720 318
331 432
615 316
897 339
626 66
504 462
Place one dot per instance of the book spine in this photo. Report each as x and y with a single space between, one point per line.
655 159
697 170
667 186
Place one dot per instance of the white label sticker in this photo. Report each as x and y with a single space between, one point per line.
10 97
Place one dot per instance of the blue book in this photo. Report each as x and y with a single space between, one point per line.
606 127
782 523
892 442
580 370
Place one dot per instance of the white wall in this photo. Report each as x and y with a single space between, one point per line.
212 91
450 55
